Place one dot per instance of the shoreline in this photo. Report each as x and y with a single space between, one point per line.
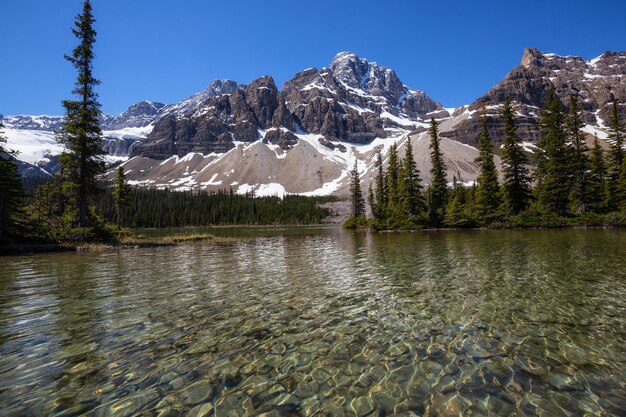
135 242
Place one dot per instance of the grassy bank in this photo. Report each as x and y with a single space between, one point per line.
127 239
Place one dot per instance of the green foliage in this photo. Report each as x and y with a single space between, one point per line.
356 196
50 219
438 189
379 208
355 222
150 208
553 172
616 137
392 178
461 211
620 189
410 198
616 219
121 194
458 215
533 216
597 183
11 192
617 184
579 164
488 199
419 221
516 187
81 134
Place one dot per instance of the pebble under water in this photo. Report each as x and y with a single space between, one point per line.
321 322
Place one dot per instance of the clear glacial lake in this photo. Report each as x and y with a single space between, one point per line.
303 322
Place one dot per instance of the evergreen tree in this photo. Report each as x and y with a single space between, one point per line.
516 186
553 167
392 180
11 192
81 134
620 194
597 194
410 184
371 200
438 189
380 191
458 211
488 190
580 160
358 204
616 156
121 194
149 207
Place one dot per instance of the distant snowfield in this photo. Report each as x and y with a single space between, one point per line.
33 145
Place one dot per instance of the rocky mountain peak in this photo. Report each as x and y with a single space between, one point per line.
219 87
348 68
531 56
138 115
144 107
358 73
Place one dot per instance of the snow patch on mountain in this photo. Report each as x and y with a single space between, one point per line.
33 146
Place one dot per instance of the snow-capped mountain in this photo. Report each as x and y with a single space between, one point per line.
352 101
305 138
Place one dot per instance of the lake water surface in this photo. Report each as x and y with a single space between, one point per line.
321 322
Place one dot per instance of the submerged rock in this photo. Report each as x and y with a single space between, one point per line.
202 410
531 366
476 351
195 393
127 406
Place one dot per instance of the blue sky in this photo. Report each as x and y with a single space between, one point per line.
167 50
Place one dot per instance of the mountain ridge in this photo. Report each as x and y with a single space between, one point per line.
339 113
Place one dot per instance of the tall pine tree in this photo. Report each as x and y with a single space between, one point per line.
438 189
488 191
620 192
11 192
410 184
371 200
580 161
516 186
82 161
597 191
616 156
380 191
553 173
121 194
393 173
357 201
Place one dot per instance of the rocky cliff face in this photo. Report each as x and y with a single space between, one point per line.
596 82
219 122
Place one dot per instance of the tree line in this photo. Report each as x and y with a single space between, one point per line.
570 184
154 208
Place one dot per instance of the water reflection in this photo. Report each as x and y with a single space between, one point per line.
321 322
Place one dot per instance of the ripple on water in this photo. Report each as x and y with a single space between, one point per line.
321 323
